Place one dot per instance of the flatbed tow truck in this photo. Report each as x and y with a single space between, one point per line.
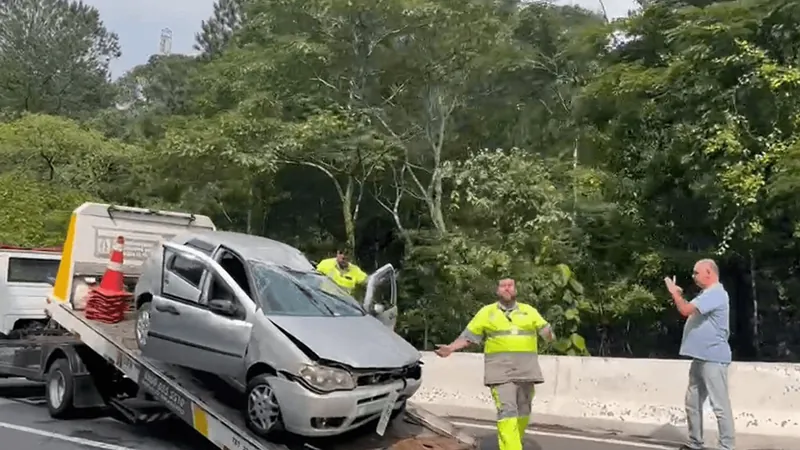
86 364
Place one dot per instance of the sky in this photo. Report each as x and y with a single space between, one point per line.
139 24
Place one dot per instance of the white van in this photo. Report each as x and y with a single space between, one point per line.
26 279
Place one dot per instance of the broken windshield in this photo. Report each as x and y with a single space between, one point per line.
298 295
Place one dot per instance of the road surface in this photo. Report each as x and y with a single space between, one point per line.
546 440
26 425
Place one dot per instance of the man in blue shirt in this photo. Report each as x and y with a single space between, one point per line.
705 340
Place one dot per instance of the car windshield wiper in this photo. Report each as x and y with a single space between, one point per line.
352 304
307 292
294 270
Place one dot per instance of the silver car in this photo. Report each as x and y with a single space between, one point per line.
308 356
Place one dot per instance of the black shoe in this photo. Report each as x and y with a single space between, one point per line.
686 447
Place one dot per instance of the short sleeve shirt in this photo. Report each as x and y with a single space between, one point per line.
706 332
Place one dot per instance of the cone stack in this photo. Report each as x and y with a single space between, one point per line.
108 302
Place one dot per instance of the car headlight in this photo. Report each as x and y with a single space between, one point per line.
327 378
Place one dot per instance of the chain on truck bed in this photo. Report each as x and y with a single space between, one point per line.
187 397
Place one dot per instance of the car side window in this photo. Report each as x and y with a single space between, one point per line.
383 291
190 271
218 290
381 288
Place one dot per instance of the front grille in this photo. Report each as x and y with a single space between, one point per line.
378 377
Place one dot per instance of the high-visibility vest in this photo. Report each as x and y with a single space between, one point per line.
511 341
345 278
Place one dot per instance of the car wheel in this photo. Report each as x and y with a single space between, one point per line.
142 324
59 390
262 413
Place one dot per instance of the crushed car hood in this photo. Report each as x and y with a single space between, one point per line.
359 342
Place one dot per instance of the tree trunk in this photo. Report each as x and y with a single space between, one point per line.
347 211
250 205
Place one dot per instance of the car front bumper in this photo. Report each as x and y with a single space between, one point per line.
316 415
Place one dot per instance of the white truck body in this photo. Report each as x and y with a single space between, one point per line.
26 278
92 231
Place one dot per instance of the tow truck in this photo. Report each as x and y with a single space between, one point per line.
88 364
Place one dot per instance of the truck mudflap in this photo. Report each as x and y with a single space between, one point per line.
185 396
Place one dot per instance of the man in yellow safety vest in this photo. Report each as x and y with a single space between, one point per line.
344 273
509 331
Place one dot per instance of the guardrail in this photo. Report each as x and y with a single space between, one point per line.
632 396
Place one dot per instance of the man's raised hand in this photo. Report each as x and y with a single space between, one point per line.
672 286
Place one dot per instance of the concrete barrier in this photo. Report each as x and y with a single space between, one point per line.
633 396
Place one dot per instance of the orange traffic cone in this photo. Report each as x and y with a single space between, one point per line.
113 281
108 302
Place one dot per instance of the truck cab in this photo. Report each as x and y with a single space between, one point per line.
26 277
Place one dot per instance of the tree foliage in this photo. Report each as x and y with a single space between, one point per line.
217 31
54 55
461 141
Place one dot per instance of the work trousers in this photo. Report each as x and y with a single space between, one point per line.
709 380
513 401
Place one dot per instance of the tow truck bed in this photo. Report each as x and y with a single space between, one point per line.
185 394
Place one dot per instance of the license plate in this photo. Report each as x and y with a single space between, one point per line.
387 413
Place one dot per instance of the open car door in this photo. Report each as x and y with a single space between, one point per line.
381 295
205 330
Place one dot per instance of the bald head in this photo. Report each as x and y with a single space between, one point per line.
706 273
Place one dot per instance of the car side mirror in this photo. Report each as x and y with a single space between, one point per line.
223 307
377 308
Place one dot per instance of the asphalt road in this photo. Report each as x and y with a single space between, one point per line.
26 425
544 440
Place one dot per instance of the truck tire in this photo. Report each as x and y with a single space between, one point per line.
142 324
59 390
261 413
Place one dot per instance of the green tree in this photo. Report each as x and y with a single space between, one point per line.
59 152
54 57
693 114
35 213
217 31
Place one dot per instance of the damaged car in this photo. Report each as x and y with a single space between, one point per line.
307 356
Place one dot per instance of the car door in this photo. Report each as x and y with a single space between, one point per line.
185 331
381 295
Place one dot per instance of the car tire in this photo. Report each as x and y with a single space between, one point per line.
142 324
262 412
59 390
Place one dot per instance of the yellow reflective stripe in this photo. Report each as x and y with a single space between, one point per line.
63 283
496 398
510 333
200 420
